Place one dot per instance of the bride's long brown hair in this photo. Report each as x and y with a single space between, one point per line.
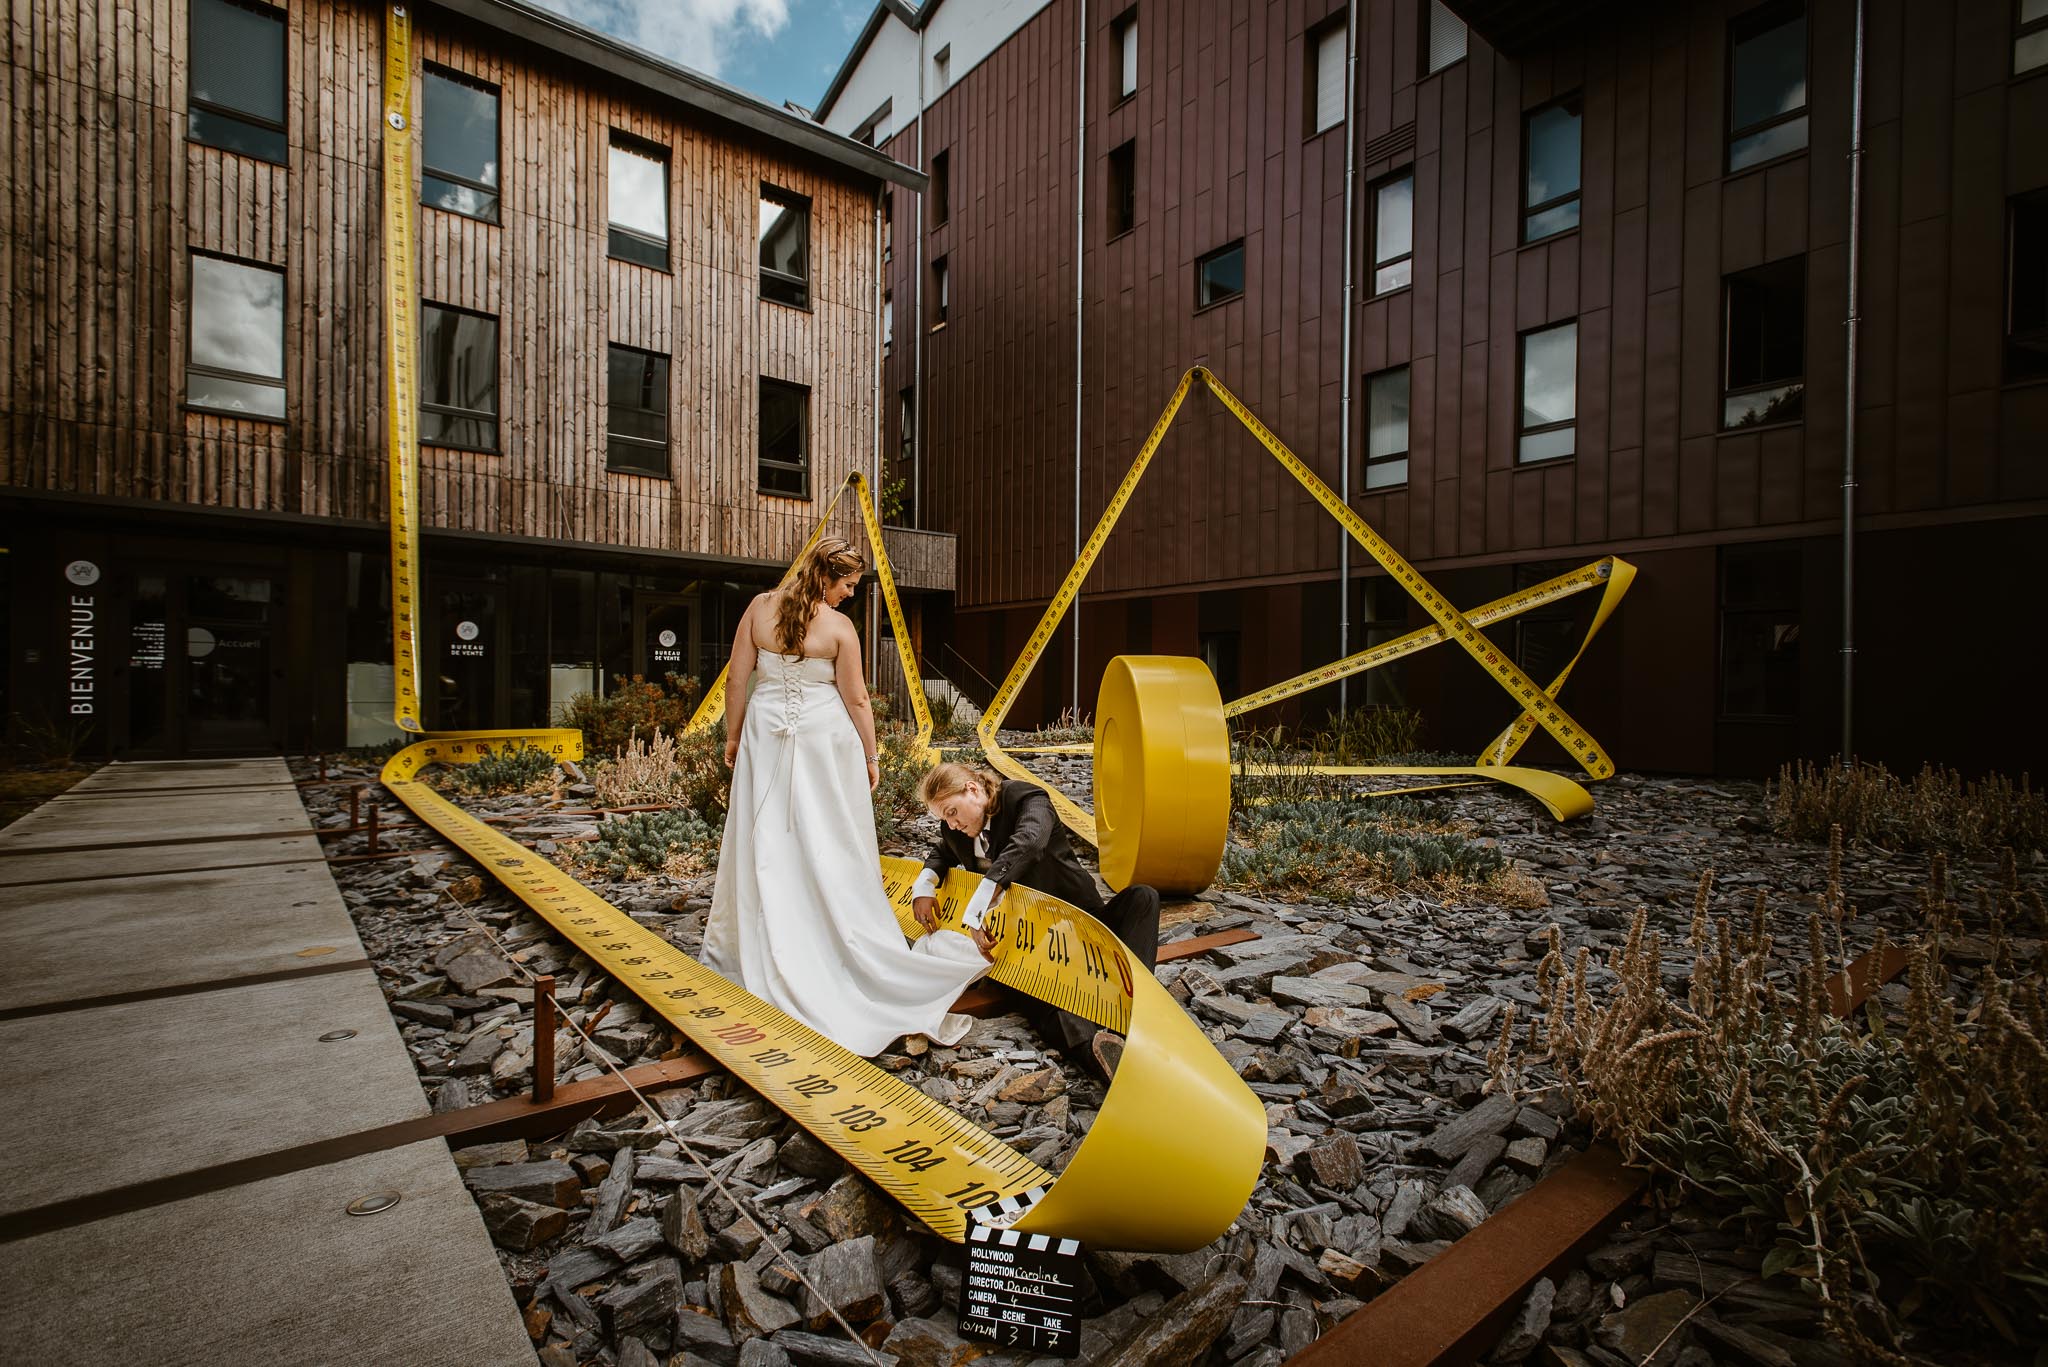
831 560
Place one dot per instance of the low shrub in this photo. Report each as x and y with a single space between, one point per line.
1348 847
677 842
1936 809
511 770
688 769
1895 1165
633 707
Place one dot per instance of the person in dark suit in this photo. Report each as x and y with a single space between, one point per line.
1008 832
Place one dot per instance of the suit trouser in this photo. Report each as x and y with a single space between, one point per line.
1133 915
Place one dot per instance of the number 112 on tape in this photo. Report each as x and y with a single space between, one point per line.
1022 1290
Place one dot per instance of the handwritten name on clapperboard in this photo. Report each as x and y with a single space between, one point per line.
1023 1290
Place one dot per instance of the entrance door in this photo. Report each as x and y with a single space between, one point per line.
471 662
664 635
230 678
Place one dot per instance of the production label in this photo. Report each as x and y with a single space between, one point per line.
1022 1291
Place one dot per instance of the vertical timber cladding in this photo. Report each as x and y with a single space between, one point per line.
1177 1145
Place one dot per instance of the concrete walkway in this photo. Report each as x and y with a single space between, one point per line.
179 1145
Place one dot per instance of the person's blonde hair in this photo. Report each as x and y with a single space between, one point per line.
952 777
830 560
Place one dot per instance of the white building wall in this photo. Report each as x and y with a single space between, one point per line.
887 71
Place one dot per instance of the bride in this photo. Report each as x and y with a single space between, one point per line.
798 917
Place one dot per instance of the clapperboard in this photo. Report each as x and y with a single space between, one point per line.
1022 1290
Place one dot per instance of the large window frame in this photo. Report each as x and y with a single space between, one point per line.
775 467
1386 464
941 292
941 186
454 180
217 123
1555 213
632 243
1765 390
1393 271
634 453
256 384
1121 193
778 286
1539 442
1123 42
2029 36
1445 39
1754 24
1212 282
454 411
1754 605
1316 58
2026 287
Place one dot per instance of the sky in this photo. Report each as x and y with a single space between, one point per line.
776 49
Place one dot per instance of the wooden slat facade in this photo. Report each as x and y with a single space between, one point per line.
106 199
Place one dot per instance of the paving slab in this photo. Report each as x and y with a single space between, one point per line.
145 860
110 936
141 776
273 1272
115 1095
61 825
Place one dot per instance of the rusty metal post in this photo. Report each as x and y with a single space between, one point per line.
543 1040
374 808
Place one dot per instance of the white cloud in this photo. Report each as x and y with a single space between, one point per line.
700 34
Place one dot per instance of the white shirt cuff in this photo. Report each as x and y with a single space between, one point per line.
927 885
977 906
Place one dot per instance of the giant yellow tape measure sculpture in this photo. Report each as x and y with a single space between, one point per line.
1176 1148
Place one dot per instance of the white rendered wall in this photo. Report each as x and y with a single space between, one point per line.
888 69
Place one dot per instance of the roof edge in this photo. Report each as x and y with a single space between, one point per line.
912 19
693 89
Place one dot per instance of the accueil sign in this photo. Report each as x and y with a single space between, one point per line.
83 641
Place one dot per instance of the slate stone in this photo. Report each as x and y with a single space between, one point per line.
630 1240
749 1311
1467 1171
805 1154
1475 1020
930 1343
1454 1213
520 1225
576 1267
850 1208
1531 1323
649 1300
612 1195
1527 1155
1319 992
846 1277
548 1183
1333 1162
682 1227
1184 1327
1450 1140
425 1013
478 969
1636 1329
818 1350
702 1334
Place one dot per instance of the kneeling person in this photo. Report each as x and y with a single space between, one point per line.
1007 831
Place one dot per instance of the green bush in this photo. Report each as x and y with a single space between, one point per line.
511 770
688 769
634 707
676 842
1346 846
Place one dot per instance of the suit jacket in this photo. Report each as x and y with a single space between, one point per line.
1027 844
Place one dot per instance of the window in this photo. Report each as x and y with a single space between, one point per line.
906 419
785 247
1326 76
875 131
785 467
1764 317
2030 37
236 102
1393 233
1550 393
888 225
459 170
636 399
888 321
235 363
1443 42
1220 275
940 297
1545 637
1382 617
637 184
1760 633
458 378
1766 84
1123 40
1386 429
942 68
2026 288
1550 169
1123 189
942 187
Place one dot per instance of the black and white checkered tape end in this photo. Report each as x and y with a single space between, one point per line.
990 1224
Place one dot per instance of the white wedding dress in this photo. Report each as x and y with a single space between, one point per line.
798 917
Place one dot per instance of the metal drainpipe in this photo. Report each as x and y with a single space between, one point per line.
1080 256
1350 322
920 387
1849 407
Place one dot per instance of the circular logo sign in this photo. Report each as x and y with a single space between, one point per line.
467 630
82 573
199 642
667 639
